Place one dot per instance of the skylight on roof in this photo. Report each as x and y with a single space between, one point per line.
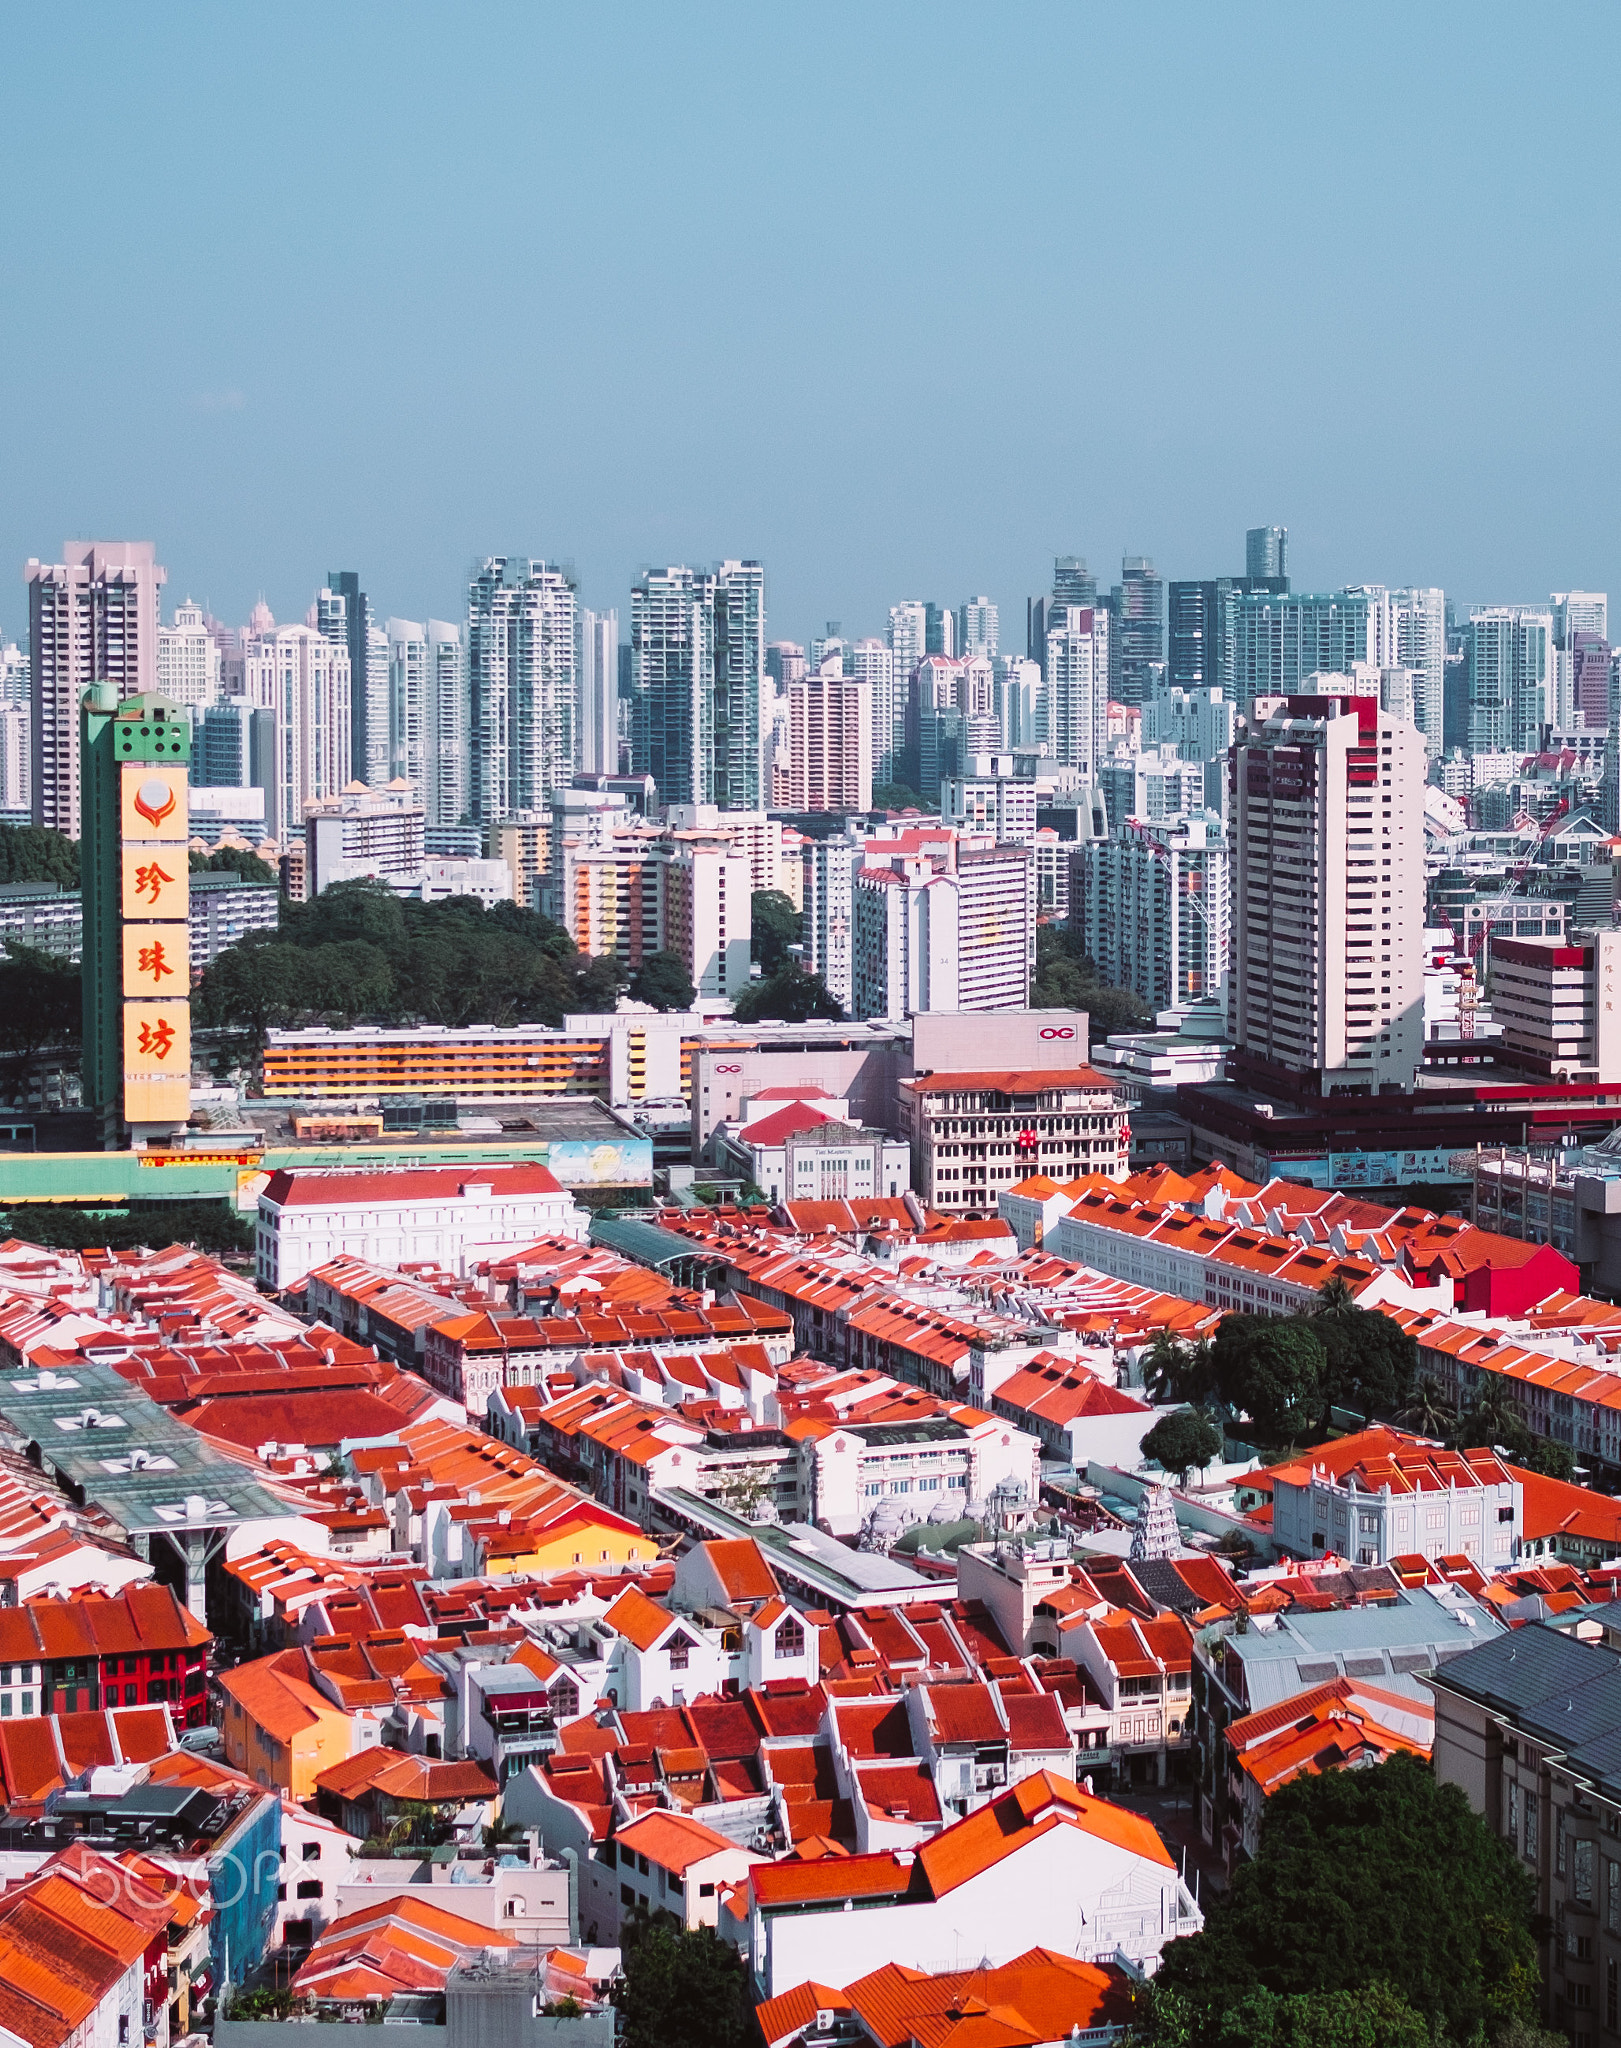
90 1418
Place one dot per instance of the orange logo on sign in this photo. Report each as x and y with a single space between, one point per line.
154 800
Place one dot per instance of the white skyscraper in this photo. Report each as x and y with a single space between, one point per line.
1419 637
1328 893
1511 677
908 643
305 678
378 738
14 804
1017 699
407 727
1076 695
872 663
92 617
1574 611
522 687
446 721
701 711
188 658
597 725
976 627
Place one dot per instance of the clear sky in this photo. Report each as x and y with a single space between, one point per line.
900 300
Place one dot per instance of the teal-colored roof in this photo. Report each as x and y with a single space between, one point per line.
129 1457
649 1244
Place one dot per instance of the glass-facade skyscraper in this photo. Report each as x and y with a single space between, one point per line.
698 678
522 651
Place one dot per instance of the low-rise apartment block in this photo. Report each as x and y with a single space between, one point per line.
975 1134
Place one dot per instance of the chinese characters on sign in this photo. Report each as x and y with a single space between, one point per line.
155 882
156 959
157 1061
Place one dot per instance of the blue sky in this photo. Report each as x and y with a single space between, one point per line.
901 300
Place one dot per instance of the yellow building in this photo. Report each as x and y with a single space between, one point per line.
278 1729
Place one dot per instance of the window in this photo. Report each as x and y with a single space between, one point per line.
791 1638
310 1852
309 1888
1581 1871
626 1896
707 1891
1532 1831
1612 1895
565 1699
1513 1808
680 1653
1612 1993
1559 1840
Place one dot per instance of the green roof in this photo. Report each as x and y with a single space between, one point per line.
649 1244
127 1456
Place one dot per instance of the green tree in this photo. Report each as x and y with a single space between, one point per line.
596 981
663 980
1365 1877
1370 1361
210 1226
528 924
1066 978
34 853
1272 1371
41 1003
1166 1365
366 909
1180 1441
792 996
896 796
1428 1412
776 926
251 988
233 860
1375 2016
682 1990
1491 1421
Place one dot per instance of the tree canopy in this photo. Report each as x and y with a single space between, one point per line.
34 853
1373 2017
1271 1370
776 925
40 1001
682 1990
1363 1878
233 860
663 980
897 796
1066 978
1182 1440
791 995
1370 1363
358 950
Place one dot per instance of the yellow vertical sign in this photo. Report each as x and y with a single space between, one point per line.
155 941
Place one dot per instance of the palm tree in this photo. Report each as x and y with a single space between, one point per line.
1334 1298
1428 1412
1165 1367
1491 1417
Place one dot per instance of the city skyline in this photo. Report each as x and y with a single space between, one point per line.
757 407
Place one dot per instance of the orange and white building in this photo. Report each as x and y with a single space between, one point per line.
1043 1863
1344 1725
442 1214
